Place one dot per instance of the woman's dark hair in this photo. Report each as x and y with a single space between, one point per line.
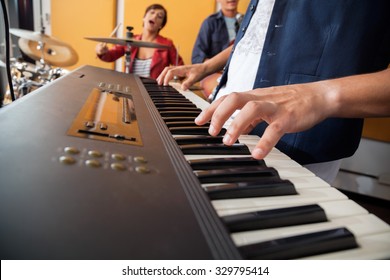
158 7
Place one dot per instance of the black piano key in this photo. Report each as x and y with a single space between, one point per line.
226 162
282 217
160 89
198 139
301 246
182 109
235 175
214 149
170 100
267 186
194 130
154 95
166 96
185 124
167 91
174 105
178 119
148 81
179 114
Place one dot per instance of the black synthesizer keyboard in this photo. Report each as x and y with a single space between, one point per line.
105 165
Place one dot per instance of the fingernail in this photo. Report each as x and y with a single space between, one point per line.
227 140
258 153
199 118
211 130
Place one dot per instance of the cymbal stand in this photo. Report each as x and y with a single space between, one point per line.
129 35
42 67
41 47
26 87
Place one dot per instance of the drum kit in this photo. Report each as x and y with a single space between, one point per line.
49 54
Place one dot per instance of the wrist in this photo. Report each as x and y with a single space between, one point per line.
331 98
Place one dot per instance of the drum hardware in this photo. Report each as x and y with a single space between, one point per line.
129 35
26 87
125 41
129 42
56 55
44 48
47 52
37 37
27 77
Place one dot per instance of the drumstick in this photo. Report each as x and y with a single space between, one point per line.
113 32
176 78
177 55
111 35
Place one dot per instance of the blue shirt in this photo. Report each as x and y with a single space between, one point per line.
312 40
212 38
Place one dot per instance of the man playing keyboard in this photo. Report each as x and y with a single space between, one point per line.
298 42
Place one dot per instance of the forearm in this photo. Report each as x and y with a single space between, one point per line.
112 54
359 96
217 62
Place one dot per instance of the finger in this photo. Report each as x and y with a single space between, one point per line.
270 138
187 83
161 77
224 110
248 117
208 112
169 76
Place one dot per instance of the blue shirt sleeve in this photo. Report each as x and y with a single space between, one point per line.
200 50
212 38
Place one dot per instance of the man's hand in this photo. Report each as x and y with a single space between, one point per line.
286 109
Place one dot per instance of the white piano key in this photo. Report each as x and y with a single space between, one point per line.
309 182
282 163
312 195
284 172
333 209
361 225
371 247
197 100
276 158
293 172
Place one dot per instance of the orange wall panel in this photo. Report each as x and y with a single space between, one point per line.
242 5
377 129
73 20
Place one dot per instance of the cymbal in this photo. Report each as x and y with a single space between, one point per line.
125 41
36 36
56 55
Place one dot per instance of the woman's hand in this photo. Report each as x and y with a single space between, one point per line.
101 49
